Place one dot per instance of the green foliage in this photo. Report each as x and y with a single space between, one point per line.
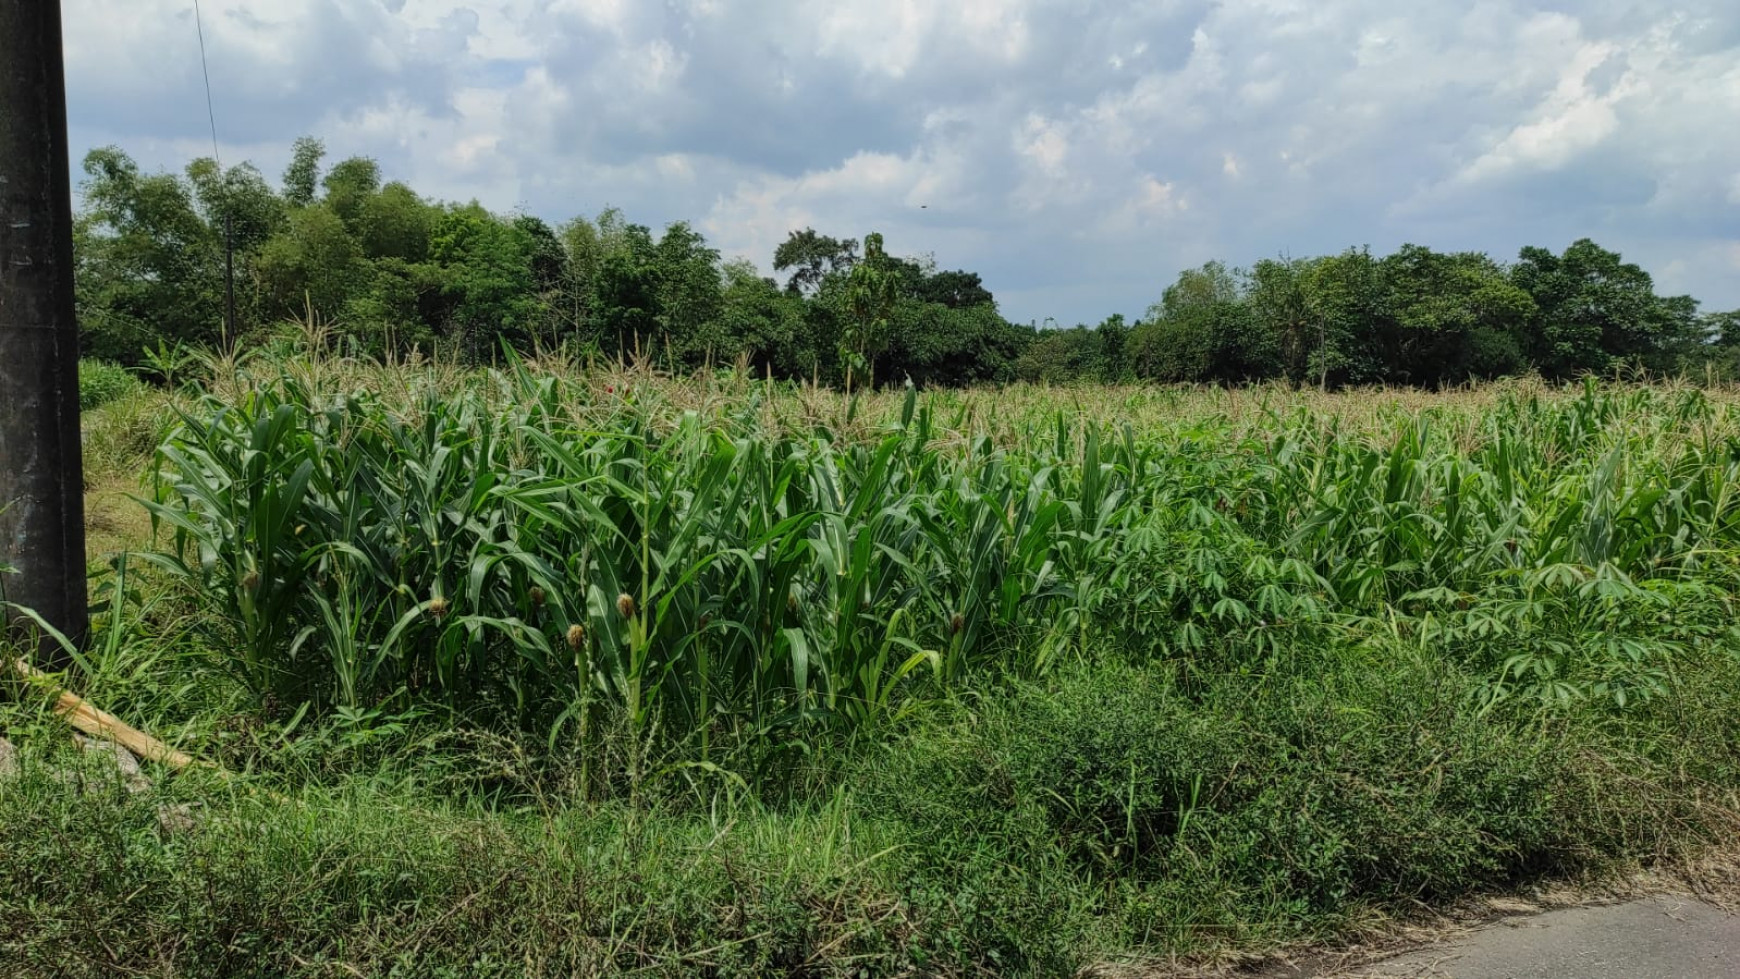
101 383
1030 682
872 288
389 272
525 550
1105 354
812 257
763 325
302 176
381 879
314 261
1596 310
147 262
488 280
1202 331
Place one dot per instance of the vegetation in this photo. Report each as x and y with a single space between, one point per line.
572 601
101 383
560 669
523 548
391 272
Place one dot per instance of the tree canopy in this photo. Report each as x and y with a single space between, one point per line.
385 269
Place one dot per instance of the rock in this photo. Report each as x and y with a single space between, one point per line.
176 819
8 759
125 764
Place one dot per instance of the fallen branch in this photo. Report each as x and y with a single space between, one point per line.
99 724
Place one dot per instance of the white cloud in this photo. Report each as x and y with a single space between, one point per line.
1077 156
1572 119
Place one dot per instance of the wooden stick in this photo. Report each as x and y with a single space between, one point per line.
98 724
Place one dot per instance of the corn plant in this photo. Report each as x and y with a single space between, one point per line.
520 547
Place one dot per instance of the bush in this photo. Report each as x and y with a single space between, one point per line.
101 383
1142 813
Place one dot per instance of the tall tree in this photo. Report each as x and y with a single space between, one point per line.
688 295
487 278
1345 307
871 291
1204 329
956 290
147 262
1452 316
810 257
763 324
395 223
1594 308
302 176
625 291
1279 307
314 263
350 184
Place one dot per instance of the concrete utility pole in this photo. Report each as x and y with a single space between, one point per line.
42 512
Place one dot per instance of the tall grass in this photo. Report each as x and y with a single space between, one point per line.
533 548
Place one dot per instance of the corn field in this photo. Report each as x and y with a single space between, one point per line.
535 548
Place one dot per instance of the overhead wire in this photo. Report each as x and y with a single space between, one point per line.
217 160
205 72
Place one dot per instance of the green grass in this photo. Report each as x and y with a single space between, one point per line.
1015 683
1108 814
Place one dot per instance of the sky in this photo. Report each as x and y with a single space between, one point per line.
1078 155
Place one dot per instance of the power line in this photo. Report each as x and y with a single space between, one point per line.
210 114
229 239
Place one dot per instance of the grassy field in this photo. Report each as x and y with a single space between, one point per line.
556 670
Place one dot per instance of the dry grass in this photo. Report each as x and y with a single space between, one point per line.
1006 414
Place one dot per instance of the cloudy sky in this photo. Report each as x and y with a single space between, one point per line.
1076 154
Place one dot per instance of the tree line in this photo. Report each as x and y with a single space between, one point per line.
385 270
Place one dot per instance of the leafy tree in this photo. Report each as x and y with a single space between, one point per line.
571 309
1279 307
147 262
1114 345
314 262
302 176
487 278
236 202
1345 306
1720 349
350 185
956 290
625 292
394 309
395 223
549 268
1721 329
1205 330
1593 309
934 344
871 292
1058 356
811 257
763 324
544 250
687 293
1452 316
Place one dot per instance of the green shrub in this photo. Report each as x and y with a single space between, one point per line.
101 383
1252 809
